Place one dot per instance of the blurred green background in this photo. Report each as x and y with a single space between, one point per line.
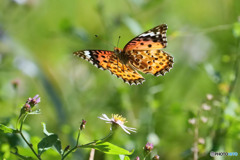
38 37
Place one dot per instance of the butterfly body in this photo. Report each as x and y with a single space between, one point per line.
143 53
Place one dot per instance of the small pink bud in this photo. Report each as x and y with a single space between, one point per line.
156 157
82 126
137 158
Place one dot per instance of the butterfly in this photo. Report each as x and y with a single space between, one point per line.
143 53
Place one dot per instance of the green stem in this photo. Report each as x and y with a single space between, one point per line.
94 142
74 148
29 144
84 145
196 132
71 150
236 72
145 155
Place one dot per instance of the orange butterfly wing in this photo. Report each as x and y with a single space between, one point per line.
154 38
108 60
145 54
156 62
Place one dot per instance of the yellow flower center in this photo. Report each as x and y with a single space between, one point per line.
119 118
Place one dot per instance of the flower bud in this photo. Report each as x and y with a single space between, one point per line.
15 83
206 107
67 148
148 147
137 158
201 140
156 157
27 107
209 97
82 126
192 121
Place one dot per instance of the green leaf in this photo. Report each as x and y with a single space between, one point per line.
6 129
35 112
123 157
46 143
58 144
45 129
126 158
108 148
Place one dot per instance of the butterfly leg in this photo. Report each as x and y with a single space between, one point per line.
132 67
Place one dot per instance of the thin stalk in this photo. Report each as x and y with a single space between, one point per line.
195 145
74 148
94 142
29 144
84 145
144 158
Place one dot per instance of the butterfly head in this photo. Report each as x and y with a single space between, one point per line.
117 50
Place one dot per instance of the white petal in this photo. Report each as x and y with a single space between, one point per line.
131 129
125 130
105 117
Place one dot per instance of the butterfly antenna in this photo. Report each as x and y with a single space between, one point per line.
118 40
104 41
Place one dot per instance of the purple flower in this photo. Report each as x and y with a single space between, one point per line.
148 147
33 101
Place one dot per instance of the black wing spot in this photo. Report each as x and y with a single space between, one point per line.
149 45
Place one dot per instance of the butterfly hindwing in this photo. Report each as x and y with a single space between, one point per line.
154 38
124 71
156 62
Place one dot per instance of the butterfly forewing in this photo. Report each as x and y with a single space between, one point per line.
99 58
154 38
108 60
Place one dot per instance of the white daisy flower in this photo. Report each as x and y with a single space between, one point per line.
119 121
